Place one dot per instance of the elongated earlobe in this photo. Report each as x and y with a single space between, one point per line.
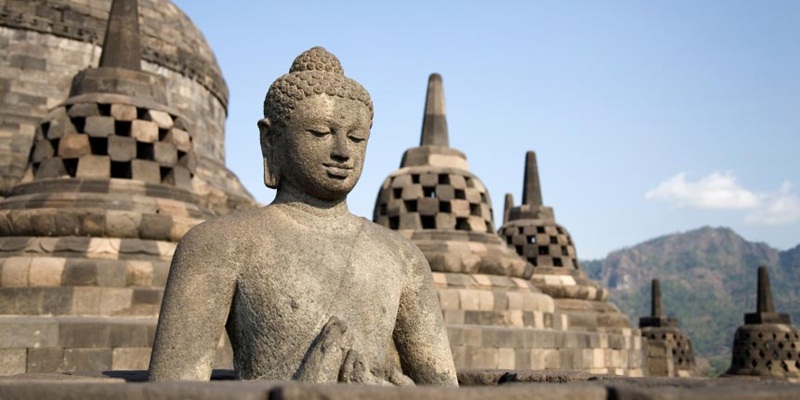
271 169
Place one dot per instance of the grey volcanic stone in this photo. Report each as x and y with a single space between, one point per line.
306 290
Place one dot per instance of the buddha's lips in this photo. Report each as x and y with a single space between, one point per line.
338 171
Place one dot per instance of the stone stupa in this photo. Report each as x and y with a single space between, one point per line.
767 345
531 229
86 239
496 317
669 350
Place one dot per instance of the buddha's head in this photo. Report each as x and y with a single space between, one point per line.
315 128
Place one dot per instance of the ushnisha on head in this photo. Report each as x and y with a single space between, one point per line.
315 97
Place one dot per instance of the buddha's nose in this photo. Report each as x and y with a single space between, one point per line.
341 149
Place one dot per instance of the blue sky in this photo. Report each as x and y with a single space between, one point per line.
648 117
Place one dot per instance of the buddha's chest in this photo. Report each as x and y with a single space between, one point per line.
298 286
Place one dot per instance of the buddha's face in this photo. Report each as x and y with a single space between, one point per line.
321 150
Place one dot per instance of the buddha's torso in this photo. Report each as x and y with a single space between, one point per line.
297 276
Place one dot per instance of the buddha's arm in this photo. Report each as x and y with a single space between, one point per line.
196 303
420 334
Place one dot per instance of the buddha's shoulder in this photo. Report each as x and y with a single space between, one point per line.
390 240
236 227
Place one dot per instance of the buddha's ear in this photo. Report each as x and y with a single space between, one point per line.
271 169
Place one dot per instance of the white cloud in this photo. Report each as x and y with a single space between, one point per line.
778 208
719 190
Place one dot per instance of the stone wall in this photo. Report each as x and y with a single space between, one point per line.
46 43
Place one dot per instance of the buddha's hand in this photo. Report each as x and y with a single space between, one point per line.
323 359
355 370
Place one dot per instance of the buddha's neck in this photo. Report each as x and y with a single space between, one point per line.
298 203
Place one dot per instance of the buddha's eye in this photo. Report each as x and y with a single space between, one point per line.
319 132
357 136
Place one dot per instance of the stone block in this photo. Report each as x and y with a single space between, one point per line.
162 119
506 358
123 112
483 357
147 171
115 300
130 358
121 148
155 227
144 131
59 127
51 168
165 154
188 161
83 110
130 335
94 167
449 299
469 299
87 359
46 271
12 361
57 301
15 272
98 126
85 301
45 359
122 224
179 177
43 149
25 332
82 334
180 139
74 145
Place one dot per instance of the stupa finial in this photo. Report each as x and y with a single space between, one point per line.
509 204
764 299
122 46
656 307
434 123
532 189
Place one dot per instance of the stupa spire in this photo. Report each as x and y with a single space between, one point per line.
509 204
656 307
764 297
434 123
122 46
532 190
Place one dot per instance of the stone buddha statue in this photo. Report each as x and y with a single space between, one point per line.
305 289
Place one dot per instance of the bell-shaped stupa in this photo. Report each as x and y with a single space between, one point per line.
87 237
767 345
532 230
669 350
434 200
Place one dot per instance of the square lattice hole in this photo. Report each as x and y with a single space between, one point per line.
414 178
445 207
411 205
144 151
429 191
121 169
428 221
557 262
462 224
444 179
475 209
460 194
122 128
397 193
394 222
544 250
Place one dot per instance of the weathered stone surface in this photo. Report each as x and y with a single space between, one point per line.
74 145
99 126
306 227
121 148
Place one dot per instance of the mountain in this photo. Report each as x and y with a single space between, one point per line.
708 280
